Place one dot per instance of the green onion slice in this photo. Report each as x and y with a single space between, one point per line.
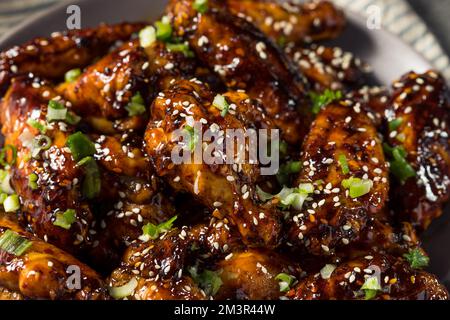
125 290
72 75
180 47
80 146
4 155
65 219
394 124
321 100
221 103
40 143
14 243
11 203
285 281
147 36
136 106
37 125
209 281
5 177
371 287
200 5
163 30
151 231
32 181
357 187
92 182
56 111
344 164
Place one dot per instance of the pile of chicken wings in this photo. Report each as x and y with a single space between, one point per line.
95 208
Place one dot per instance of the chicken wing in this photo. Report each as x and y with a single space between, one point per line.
419 118
373 276
344 162
290 21
43 271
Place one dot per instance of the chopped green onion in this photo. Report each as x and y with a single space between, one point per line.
321 100
180 47
327 271
200 5
285 280
3 155
357 187
399 166
221 103
125 290
193 137
56 111
72 118
14 243
163 30
283 147
136 106
344 164
92 182
147 36
3 197
286 170
80 146
394 124
32 181
72 75
5 177
37 125
151 231
416 258
11 203
262 195
371 287
401 137
65 219
208 280
281 41
40 142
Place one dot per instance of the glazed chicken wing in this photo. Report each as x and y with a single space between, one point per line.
419 118
344 162
290 21
245 59
373 276
43 271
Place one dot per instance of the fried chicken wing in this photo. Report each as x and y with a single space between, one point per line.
341 154
52 57
385 278
244 59
57 188
290 21
419 119
227 188
45 272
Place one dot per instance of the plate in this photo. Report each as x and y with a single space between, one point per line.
387 54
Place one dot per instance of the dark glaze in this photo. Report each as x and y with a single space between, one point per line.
290 21
59 176
332 218
231 186
396 278
245 59
42 272
53 57
421 101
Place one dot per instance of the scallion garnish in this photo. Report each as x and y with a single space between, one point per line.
32 181
92 179
321 100
416 258
125 290
72 118
399 166
180 47
65 219
40 143
344 164
163 29
147 36
193 137
286 170
221 103
394 124
37 125
72 75
136 106
14 243
4 155
56 111
371 287
200 5
208 280
5 177
11 203
285 281
289 197
152 231
357 187
3 197
80 146
327 271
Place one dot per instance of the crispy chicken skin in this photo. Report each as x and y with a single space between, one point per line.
46 272
290 21
245 59
227 188
160 266
52 57
397 280
421 102
332 218
58 174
